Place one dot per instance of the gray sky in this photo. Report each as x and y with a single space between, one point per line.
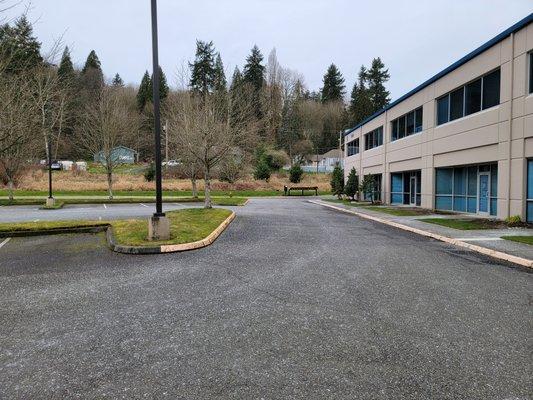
415 39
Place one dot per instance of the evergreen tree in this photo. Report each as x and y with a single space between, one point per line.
254 75
117 81
352 184
333 89
144 95
236 80
254 70
337 181
220 83
360 103
163 86
92 75
65 71
19 47
203 73
367 187
377 76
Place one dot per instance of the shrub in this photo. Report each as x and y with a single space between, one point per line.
513 220
295 173
367 187
352 184
262 170
149 174
337 181
277 159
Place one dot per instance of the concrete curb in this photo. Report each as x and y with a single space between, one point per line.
479 249
56 231
168 248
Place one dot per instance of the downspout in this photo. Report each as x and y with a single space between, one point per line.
510 132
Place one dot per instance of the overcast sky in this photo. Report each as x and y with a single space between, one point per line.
415 39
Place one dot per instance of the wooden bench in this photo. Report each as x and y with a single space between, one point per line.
287 189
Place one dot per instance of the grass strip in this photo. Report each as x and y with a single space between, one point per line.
520 239
461 224
187 225
399 212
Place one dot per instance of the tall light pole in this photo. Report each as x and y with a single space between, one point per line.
158 226
50 201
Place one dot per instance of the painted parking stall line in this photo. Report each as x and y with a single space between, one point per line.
4 242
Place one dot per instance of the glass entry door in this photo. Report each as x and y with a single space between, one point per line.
412 191
483 193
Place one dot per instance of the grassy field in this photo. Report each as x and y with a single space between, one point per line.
463 224
220 201
187 225
520 239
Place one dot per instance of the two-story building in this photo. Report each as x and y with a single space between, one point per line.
461 141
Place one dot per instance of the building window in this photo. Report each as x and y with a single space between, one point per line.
353 147
374 138
458 189
407 124
529 201
406 188
477 95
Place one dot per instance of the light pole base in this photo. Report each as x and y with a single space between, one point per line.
158 228
50 202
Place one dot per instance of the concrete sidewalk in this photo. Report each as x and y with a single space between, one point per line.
486 238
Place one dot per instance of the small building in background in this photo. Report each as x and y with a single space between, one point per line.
120 154
324 162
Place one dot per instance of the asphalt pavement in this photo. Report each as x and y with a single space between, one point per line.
293 301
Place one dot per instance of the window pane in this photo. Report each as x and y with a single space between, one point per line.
472 205
410 123
530 180
456 104
442 110
493 206
530 211
395 129
459 203
473 97
443 202
396 182
418 119
459 177
444 180
491 89
472 181
494 180
401 127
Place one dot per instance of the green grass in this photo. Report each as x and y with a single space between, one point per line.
397 211
349 203
187 225
57 205
221 201
520 239
462 224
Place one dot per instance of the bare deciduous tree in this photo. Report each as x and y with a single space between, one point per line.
208 131
17 127
106 123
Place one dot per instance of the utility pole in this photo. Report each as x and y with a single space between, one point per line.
50 201
158 225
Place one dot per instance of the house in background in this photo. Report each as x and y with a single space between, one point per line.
324 162
119 154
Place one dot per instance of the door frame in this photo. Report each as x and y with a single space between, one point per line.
412 190
479 174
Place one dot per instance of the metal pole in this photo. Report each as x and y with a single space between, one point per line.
157 116
49 168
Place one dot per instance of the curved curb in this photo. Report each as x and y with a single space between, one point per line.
482 250
168 248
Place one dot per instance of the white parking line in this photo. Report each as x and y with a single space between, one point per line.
144 205
105 206
4 242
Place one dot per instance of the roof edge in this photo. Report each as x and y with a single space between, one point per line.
495 40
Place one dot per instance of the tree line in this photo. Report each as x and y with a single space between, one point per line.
263 116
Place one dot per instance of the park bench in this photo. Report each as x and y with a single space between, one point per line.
287 189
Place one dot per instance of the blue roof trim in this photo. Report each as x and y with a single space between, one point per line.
519 25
